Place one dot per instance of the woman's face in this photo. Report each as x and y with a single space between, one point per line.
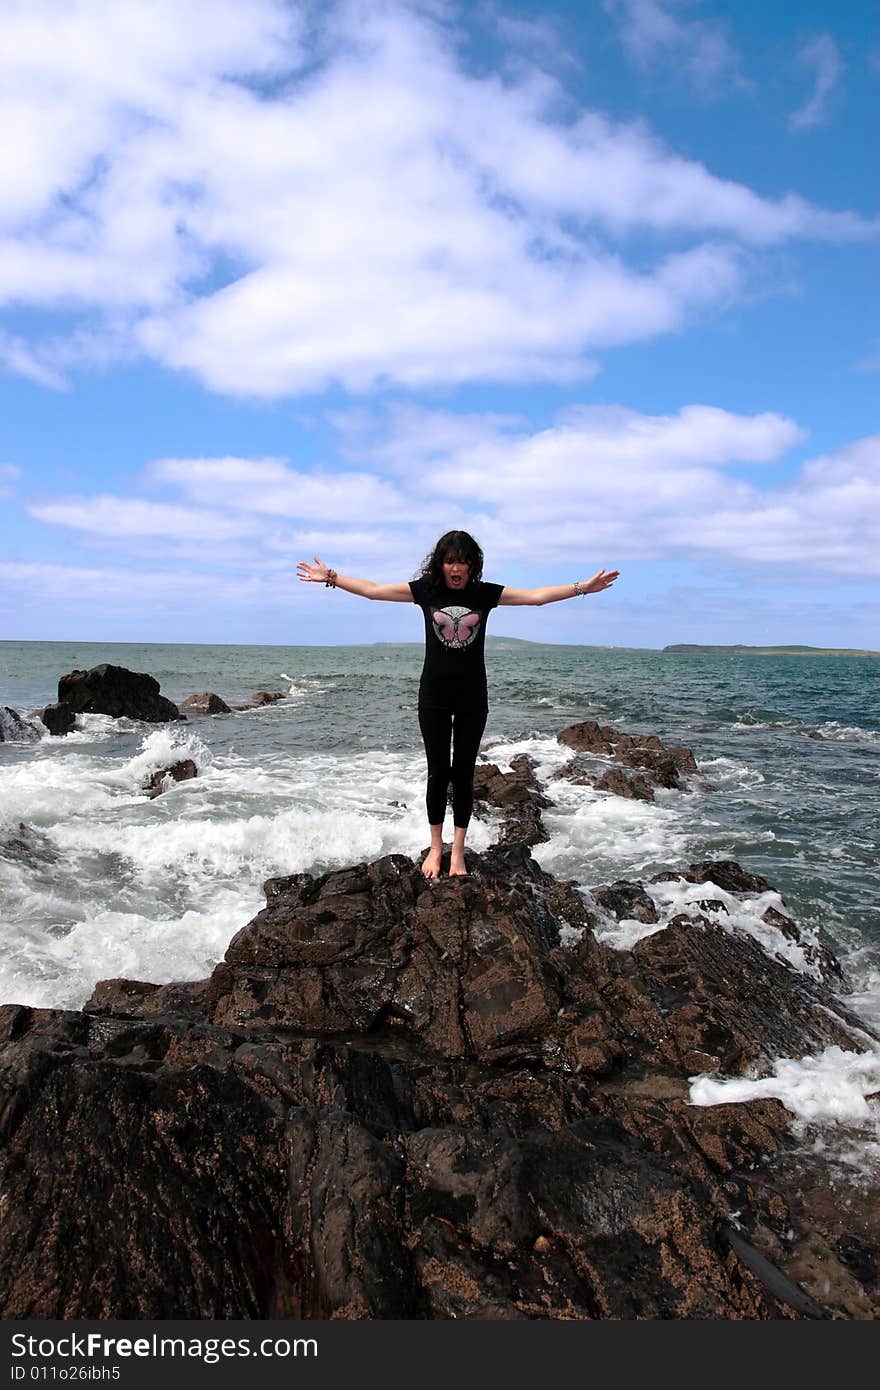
455 572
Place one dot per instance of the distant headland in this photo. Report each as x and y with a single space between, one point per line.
770 651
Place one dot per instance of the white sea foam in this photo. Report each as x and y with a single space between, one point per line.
623 935
301 687
829 1088
844 733
61 970
678 896
155 888
593 834
726 772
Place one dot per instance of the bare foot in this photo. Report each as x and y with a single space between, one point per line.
431 863
457 866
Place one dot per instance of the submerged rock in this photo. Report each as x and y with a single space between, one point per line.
15 727
116 691
403 1099
28 846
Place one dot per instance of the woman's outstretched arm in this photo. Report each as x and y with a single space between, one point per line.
552 593
319 573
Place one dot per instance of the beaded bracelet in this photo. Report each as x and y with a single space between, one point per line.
330 581
577 588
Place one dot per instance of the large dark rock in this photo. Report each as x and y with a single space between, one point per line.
118 692
402 1099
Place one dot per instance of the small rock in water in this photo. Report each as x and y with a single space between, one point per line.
205 703
182 771
59 719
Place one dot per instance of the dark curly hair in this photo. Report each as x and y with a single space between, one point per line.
455 545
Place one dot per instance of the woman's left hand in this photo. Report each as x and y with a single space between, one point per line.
602 579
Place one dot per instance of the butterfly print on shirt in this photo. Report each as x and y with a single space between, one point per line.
455 627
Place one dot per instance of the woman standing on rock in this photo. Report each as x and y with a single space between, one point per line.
453 699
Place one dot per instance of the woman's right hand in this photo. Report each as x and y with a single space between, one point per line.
312 574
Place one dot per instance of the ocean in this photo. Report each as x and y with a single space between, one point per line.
96 880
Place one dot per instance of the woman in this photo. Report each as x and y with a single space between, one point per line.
453 700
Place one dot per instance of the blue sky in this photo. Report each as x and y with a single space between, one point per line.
595 281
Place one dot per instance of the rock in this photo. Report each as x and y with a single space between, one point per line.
517 794
205 703
118 692
661 766
626 901
407 1100
182 771
15 728
28 846
576 770
615 780
59 719
259 698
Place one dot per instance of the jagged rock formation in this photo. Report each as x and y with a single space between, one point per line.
115 691
402 1099
659 765
517 794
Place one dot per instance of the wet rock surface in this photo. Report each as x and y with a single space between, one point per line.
657 765
160 781
59 719
402 1099
116 691
517 795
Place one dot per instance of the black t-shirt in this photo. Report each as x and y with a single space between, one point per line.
454 673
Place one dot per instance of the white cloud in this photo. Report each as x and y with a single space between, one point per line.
117 517
603 482
358 208
616 484
656 36
9 476
822 55
124 588
17 358
269 486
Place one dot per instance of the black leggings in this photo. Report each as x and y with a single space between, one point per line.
440 728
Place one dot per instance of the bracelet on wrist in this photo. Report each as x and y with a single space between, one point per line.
330 581
576 586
